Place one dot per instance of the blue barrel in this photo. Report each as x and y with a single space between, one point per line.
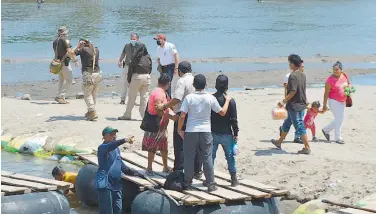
35 203
150 202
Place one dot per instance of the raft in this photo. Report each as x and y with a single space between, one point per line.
248 197
150 202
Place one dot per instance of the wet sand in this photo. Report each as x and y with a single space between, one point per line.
110 84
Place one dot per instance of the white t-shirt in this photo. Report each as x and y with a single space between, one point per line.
166 53
184 86
286 79
198 106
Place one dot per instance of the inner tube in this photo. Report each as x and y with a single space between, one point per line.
85 189
150 202
86 192
35 203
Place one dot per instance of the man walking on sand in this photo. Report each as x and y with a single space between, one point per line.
197 136
124 61
139 80
168 60
296 104
184 87
64 53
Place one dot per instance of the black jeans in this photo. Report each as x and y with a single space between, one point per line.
178 150
169 70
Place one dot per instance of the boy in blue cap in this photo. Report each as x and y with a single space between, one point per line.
108 177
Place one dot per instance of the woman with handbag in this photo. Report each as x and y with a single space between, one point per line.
335 95
155 124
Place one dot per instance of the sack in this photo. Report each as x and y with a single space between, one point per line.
87 78
279 113
55 66
150 123
34 143
175 181
101 179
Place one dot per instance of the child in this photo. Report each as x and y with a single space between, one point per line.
59 174
309 120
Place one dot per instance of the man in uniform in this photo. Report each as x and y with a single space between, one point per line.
64 52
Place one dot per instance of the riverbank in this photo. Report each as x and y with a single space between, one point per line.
114 83
343 173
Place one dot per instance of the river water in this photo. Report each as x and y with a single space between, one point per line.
200 29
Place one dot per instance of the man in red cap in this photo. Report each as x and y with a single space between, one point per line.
168 59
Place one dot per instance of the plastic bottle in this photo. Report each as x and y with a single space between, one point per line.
235 149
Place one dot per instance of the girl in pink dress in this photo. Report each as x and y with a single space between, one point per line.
309 120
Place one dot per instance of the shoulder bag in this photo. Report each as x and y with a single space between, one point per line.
150 123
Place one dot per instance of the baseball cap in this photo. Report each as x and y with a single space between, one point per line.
221 81
160 36
185 67
199 82
109 130
62 30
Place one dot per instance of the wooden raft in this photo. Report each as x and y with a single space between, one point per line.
248 190
17 184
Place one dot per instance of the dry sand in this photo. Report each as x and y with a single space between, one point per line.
345 173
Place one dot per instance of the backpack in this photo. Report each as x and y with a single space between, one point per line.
175 181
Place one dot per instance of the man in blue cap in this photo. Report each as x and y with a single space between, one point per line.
108 177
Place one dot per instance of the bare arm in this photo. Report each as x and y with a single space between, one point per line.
326 95
225 107
159 61
181 121
285 85
176 58
122 56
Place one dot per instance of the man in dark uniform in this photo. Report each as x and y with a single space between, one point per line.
64 52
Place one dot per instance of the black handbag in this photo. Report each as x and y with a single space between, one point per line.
150 123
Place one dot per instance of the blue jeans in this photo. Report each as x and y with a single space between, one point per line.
296 119
169 69
109 201
226 142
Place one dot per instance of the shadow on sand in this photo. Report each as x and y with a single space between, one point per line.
66 117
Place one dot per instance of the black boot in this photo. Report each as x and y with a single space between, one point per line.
234 180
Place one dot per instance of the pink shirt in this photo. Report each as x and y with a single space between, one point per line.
309 119
156 94
337 90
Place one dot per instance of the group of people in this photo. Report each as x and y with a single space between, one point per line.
296 103
202 121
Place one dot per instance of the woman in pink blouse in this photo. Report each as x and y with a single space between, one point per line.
335 95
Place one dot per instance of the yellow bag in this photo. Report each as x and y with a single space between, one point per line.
55 66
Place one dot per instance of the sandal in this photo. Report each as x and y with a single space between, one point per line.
274 142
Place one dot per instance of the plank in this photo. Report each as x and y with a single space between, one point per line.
93 159
220 192
12 190
352 211
248 183
199 194
33 185
59 184
187 200
225 184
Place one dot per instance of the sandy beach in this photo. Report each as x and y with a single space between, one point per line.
345 173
